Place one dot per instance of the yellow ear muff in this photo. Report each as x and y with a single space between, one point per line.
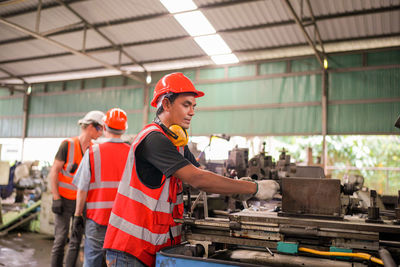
182 136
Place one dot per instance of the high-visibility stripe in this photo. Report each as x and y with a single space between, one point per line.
67 186
149 202
107 184
97 163
179 199
71 151
99 205
97 172
66 173
144 234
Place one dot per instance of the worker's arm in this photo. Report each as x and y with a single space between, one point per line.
55 169
82 181
214 183
80 202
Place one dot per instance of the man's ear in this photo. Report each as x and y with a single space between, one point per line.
166 104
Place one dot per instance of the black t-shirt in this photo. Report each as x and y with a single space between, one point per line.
62 153
156 155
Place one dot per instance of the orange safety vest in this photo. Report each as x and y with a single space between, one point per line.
142 218
107 162
65 177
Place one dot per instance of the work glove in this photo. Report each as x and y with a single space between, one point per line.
243 197
77 227
266 189
57 206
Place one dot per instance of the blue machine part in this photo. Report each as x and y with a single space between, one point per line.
336 249
287 247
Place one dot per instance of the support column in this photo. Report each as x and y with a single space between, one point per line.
146 104
324 102
25 122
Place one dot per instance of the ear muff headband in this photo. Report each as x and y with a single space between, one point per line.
175 133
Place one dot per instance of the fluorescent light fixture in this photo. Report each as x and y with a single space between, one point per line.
213 45
175 6
225 59
195 23
148 78
325 63
29 90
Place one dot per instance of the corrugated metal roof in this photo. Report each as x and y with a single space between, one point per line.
263 38
105 10
360 26
11 7
165 50
27 49
154 29
51 18
38 66
153 38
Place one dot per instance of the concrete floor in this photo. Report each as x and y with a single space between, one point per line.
27 249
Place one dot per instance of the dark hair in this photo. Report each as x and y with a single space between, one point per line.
171 98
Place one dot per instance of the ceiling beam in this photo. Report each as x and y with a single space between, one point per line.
260 49
69 49
267 25
320 56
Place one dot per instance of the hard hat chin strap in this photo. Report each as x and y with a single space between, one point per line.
175 133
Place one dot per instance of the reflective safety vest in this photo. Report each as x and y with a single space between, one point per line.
142 218
66 175
107 162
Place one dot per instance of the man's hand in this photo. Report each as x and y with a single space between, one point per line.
266 189
57 207
77 226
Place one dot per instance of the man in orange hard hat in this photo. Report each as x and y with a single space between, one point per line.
65 164
97 181
150 193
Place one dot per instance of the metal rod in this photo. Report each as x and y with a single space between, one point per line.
315 26
84 38
39 9
303 30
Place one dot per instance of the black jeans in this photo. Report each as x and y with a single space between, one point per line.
62 225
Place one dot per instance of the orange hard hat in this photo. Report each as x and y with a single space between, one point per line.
116 119
174 83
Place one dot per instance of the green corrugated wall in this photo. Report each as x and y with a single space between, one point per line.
270 98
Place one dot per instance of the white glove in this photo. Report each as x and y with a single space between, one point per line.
266 189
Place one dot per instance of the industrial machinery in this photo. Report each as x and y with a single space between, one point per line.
314 221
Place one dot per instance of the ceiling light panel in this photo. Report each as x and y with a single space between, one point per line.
225 59
175 6
195 23
213 44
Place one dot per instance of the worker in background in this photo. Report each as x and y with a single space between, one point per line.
65 165
97 180
150 192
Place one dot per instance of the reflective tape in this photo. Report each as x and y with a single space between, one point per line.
100 205
67 186
143 233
